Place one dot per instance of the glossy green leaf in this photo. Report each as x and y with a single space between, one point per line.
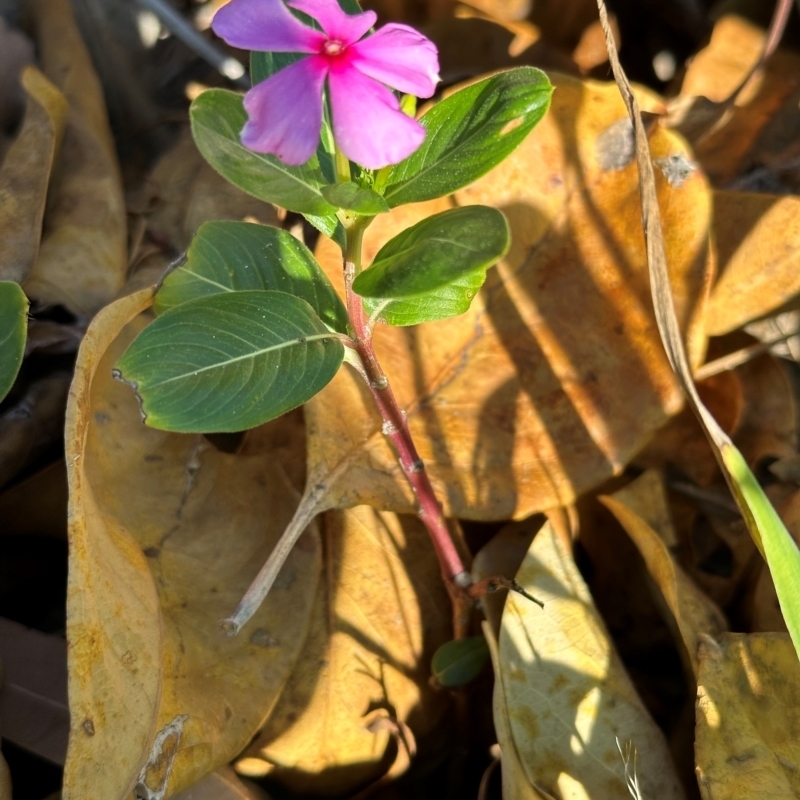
234 256
434 269
353 197
470 132
218 117
230 361
460 661
13 332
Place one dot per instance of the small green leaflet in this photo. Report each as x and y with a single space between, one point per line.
13 332
434 269
229 362
470 132
218 117
235 256
460 661
356 198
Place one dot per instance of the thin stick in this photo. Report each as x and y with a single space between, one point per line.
311 504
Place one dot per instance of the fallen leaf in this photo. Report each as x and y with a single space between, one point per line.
33 694
759 270
32 424
714 74
25 175
224 784
522 404
83 254
37 504
565 692
183 191
166 531
16 52
380 613
5 780
748 724
641 508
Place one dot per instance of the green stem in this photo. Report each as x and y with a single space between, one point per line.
342 165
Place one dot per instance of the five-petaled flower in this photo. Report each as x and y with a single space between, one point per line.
285 111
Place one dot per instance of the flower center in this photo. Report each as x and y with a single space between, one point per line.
333 47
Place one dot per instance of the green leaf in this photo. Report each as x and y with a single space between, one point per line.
470 132
13 332
458 662
229 362
218 117
353 197
434 269
235 256
776 543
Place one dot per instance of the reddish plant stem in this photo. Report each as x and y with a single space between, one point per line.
395 425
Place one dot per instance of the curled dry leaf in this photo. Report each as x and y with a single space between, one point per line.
82 259
641 508
380 613
564 692
556 376
25 175
165 534
224 784
748 718
758 241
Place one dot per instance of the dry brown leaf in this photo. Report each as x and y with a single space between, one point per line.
380 613
25 175
682 444
82 259
33 691
713 74
183 191
641 508
759 267
33 424
16 52
522 404
748 718
165 534
565 692
37 504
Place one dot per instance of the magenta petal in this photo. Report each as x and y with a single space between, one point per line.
285 112
400 57
265 25
346 28
368 125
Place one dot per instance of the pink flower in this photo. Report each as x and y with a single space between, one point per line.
285 111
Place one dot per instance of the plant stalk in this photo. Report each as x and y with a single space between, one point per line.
395 425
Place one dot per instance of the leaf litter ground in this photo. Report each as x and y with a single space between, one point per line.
551 394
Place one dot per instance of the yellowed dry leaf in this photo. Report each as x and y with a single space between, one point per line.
515 783
380 613
565 692
224 784
165 534
759 266
25 175
713 74
556 376
748 718
641 508
82 258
